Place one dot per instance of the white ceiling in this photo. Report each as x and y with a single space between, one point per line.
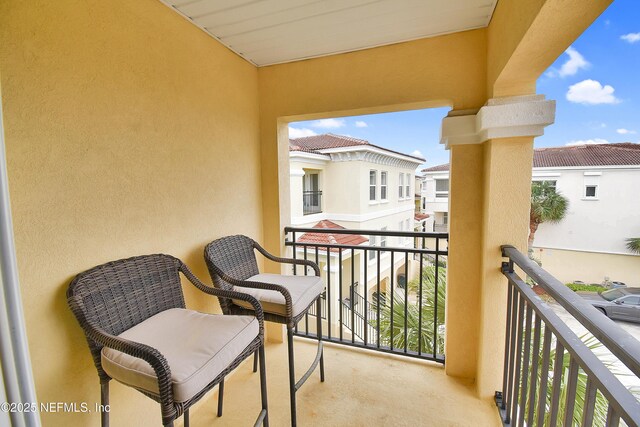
267 32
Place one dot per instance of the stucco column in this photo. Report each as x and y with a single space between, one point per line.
490 178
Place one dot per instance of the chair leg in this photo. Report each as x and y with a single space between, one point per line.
263 386
255 361
292 375
220 397
104 401
319 328
186 418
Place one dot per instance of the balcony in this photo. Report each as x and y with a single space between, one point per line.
362 388
311 202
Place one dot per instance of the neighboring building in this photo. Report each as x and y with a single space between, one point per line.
602 184
344 182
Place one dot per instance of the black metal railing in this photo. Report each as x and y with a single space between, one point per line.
551 376
380 313
311 202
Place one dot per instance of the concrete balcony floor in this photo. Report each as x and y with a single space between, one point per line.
362 388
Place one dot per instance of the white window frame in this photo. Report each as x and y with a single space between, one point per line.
441 193
407 186
372 242
384 178
373 173
383 239
401 186
595 193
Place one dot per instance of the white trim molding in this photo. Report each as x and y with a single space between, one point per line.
500 118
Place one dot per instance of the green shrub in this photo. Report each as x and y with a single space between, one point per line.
589 288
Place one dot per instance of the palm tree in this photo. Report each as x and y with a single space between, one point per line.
633 244
419 320
547 205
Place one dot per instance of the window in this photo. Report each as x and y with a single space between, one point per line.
424 203
383 239
407 226
373 178
591 191
383 185
631 300
445 218
407 188
401 186
442 188
372 242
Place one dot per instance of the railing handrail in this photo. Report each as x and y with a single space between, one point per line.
312 192
392 233
621 343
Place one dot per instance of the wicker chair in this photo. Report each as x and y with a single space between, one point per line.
139 333
285 299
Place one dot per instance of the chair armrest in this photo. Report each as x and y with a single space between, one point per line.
138 350
223 293
267 255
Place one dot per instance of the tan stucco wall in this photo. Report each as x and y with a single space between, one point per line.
590 267
128 131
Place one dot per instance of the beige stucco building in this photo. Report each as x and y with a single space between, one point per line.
351 183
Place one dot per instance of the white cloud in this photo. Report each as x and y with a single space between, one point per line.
624 131
361 124
631 37
591 92
575 63
300 133
329 123
587 142
417 153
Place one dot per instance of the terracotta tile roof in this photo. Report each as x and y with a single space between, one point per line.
623 153
420 216
313 144
332 238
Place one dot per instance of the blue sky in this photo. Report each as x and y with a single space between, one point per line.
596 86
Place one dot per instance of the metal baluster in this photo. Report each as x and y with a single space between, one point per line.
340 293
518 355
544 377
393 274
589 403
534 370
420 304
352 297
366 284
378 301
406 297
328 294
435 303
525 366
512 355
557 384
505 372
571 392
613 418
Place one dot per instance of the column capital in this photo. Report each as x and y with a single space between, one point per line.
499 118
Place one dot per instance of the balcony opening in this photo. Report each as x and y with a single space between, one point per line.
361 219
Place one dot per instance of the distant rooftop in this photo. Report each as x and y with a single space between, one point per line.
620 154
317 143
332 238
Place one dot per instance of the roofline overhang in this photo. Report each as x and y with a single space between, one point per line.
375 150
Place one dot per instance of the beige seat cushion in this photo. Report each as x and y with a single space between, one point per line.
197 347
303 289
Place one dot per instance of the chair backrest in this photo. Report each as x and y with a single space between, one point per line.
120 294
234 256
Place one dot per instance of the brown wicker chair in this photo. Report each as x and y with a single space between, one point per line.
285 299
139 332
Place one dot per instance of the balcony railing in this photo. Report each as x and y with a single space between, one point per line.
551 376
366 306
311 202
